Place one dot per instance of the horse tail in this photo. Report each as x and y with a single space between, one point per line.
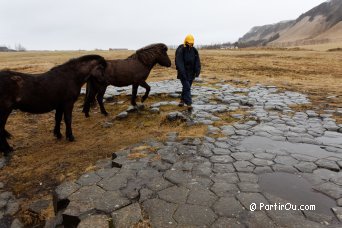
89 89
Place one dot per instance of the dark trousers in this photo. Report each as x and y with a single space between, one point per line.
186 91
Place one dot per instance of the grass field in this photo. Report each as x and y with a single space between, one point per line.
317 73
40 162
324 46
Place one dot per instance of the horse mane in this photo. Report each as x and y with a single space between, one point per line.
84 58
147 55
8 72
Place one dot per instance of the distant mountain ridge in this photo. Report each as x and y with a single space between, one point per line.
332 10
321 24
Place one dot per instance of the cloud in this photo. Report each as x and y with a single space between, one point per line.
88 24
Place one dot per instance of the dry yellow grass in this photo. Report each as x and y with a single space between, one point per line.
313 72
40 162
323 47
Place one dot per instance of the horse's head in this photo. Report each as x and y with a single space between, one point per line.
163 59
154 53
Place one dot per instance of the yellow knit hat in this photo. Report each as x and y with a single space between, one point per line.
189 39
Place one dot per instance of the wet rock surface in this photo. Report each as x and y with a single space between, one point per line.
210 181
9 206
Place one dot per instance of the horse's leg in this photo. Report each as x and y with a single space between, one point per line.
90 97
147 88
100 94
58 119
134 95
68 119
4 146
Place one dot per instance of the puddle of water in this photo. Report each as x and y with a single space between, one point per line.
297 190
253 142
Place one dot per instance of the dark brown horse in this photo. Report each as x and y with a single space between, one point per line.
131 71
57 89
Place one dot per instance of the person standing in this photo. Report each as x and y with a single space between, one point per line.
188 67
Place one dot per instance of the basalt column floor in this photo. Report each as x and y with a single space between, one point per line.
273 156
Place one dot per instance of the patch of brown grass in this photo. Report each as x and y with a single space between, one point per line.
136 155
143 224
302 107
141 152
227 118
338 119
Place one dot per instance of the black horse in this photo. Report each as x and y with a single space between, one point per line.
57 89
131 71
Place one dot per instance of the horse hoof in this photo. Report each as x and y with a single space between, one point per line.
137 109
141 106
116 165
58 135
105 113
7 154
86 115
132 108
71 138
8 151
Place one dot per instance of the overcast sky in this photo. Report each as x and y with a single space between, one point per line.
90 24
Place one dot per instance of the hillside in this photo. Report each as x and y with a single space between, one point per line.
322 24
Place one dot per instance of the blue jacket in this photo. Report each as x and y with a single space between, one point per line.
188 63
